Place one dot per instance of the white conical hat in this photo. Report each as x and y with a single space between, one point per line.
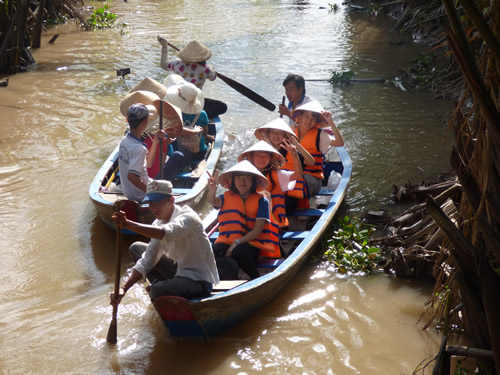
277 160
187 97
245 166
278 124
195 52
172 117
149 84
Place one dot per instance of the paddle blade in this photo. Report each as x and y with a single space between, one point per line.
247 92
111 338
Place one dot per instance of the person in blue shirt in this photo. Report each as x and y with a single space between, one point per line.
295 91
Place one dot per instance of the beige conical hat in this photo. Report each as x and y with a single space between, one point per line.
187 97
172 117
246 167
149 84
279 124
277 160
145 97
195 52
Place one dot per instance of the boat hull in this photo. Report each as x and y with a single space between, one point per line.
212 316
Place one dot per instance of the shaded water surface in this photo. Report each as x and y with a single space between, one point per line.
61 120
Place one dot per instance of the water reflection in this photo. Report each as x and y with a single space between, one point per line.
61 121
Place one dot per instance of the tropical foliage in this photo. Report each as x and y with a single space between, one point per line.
348 247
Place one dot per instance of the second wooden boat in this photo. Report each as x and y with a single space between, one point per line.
188 187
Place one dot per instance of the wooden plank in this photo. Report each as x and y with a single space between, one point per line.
224 285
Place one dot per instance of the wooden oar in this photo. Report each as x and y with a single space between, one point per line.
282 102
252 95
111 338
161 141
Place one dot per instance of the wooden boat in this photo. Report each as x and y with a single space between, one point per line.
188 187
233 301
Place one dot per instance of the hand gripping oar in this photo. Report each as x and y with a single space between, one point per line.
252 95
282 102
111 338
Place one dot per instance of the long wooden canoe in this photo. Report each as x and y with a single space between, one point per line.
188 187
233 301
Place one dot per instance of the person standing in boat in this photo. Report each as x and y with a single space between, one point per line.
245 229
310 129
178 261
295 91
192 66
269 162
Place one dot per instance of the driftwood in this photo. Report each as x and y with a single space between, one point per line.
415 238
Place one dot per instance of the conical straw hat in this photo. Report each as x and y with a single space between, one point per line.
149 84
145 97
245 166
262 132
195 52
277 160
172 118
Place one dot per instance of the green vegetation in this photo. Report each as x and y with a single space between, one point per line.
60 20
332 7
341 78
102 18
349 247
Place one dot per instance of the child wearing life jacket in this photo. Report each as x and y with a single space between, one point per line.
245 230
279 135
268 161
311 118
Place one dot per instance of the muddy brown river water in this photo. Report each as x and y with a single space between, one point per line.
61 119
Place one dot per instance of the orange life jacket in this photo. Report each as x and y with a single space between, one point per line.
311 143
278 199
237 218
300 189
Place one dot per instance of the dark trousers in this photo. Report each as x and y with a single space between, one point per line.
214 107
245 255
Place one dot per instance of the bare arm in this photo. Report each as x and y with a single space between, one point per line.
298 173
338 141
146 230
308 159
164 52
212 188
136 181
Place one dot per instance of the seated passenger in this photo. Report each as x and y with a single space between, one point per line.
152 135
268 161
310 119
277 132
132 155
189 99
245 230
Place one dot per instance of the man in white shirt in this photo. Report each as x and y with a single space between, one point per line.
178 261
